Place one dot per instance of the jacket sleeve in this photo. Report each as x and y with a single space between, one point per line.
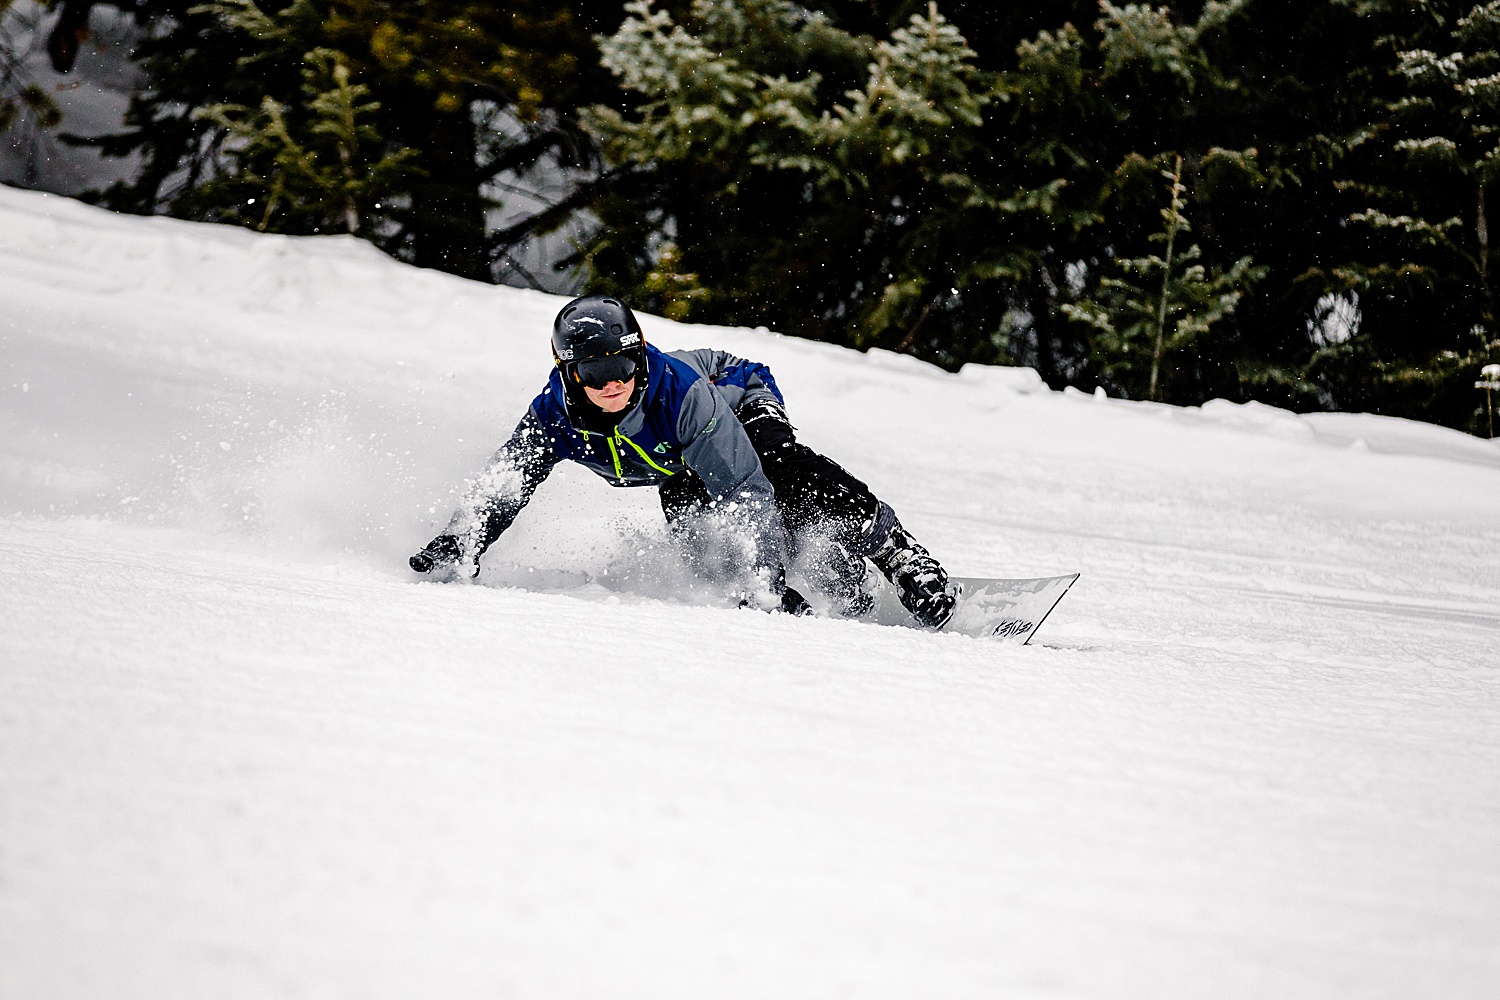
739 380
504 487
715 446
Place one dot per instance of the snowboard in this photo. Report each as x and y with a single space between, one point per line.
987 608
1006 609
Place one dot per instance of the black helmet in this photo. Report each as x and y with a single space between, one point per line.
596 340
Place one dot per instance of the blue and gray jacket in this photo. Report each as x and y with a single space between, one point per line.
683 424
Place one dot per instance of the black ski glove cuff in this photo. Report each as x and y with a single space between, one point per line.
440 551
793 603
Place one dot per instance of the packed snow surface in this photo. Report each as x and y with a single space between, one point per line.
244 752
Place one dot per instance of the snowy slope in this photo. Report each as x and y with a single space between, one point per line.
243 752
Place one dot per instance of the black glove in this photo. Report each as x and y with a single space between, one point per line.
440 551
789 602
793 603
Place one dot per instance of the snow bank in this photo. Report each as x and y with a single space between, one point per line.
244 752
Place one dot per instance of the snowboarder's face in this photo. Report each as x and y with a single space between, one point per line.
613 397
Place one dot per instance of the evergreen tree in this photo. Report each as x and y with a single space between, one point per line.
1088 109
1489 383
1423 272
320 166
891 212
425 84
26 109
1450 126
188 66
964 185
821 210
1160 304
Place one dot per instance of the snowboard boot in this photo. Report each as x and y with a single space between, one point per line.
924 587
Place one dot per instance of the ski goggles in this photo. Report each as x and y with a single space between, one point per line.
596 373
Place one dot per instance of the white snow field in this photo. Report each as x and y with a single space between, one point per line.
244 752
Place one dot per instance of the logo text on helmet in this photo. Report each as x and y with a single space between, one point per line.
566 354
630 340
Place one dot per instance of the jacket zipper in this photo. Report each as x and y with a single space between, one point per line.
614 453
642 452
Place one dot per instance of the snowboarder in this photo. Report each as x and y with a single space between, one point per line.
711 431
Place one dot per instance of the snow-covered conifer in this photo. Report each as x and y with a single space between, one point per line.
329 167
1160 303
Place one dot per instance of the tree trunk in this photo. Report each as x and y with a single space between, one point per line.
1166 279
1043 307
1482 230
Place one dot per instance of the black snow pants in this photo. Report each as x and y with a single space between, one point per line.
814 494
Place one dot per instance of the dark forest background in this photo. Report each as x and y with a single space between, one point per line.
1280 200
